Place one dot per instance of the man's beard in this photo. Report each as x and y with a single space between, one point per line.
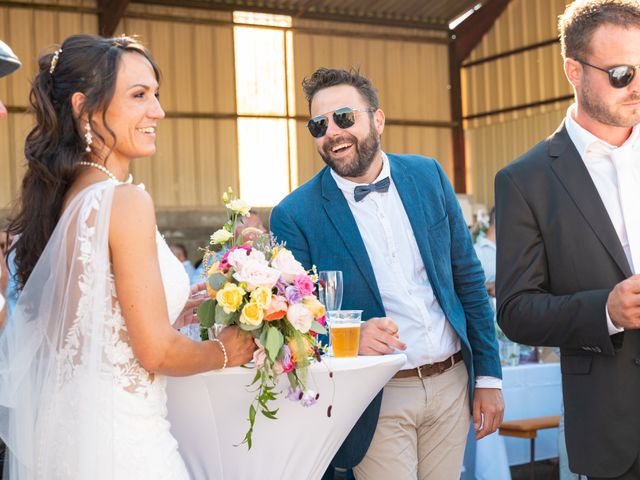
364 155
593 105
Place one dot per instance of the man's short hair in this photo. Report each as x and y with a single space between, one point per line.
582 17
331 77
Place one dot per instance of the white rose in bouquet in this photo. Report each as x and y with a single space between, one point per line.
256 274
300 317
220 237
239 206
288 266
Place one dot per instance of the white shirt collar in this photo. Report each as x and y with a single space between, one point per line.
585 141
347 186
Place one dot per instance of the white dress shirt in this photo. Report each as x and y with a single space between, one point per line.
401 276
2 301
615 171
486 252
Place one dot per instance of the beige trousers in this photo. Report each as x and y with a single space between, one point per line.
422 429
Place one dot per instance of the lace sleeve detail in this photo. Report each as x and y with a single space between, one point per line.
119 361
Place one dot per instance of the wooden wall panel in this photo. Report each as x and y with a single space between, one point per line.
518 79
197 154
412 82
524 78
491 147
411 78
197 79
430 142
30 33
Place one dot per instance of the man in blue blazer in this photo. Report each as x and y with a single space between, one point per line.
392 224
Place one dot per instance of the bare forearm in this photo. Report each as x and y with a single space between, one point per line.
183 356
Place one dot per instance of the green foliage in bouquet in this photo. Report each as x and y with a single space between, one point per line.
259 286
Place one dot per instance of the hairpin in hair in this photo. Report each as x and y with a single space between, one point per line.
54 60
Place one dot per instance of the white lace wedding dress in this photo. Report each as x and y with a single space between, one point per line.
75 403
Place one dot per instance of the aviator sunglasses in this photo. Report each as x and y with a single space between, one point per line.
620 76
344 117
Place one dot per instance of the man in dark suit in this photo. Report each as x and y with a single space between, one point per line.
569 240
393 226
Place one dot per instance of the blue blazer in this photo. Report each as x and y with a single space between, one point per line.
318 227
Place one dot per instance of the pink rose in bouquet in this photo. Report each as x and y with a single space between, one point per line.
288 266
304 285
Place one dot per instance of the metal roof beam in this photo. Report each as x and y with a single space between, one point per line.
468 34
111 12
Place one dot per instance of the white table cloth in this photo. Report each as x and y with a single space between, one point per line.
533 390
209 412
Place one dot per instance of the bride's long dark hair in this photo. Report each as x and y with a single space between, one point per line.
87 64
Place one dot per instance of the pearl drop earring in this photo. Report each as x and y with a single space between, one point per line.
88 138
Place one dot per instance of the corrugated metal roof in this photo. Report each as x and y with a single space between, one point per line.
428 14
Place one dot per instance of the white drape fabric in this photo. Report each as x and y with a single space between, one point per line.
209 411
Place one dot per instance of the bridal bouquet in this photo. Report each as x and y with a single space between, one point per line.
260 287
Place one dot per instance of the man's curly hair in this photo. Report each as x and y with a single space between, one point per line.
330 77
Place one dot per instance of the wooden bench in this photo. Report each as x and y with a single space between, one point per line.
528 428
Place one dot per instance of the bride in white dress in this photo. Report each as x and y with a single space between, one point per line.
83 357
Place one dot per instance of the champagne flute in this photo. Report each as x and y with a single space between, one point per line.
330 289
330 295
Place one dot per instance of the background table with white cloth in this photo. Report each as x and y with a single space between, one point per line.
533 390
208 415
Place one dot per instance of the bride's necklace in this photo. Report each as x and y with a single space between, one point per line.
102 168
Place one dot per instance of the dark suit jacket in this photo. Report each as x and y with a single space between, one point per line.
316 223
558 258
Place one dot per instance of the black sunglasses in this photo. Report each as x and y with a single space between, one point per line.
620 76
344 117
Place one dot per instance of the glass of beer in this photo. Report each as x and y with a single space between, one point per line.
344 329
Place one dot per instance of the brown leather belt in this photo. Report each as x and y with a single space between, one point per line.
430 369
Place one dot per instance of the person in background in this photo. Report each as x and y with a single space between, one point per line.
491 455
4 277
485 248
180 251
11 290
8 64
248 229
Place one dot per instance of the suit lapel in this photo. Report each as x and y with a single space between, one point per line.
573 174
338 211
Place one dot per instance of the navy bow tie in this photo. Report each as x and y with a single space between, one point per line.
362 191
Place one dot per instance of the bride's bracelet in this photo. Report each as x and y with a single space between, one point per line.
224 352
